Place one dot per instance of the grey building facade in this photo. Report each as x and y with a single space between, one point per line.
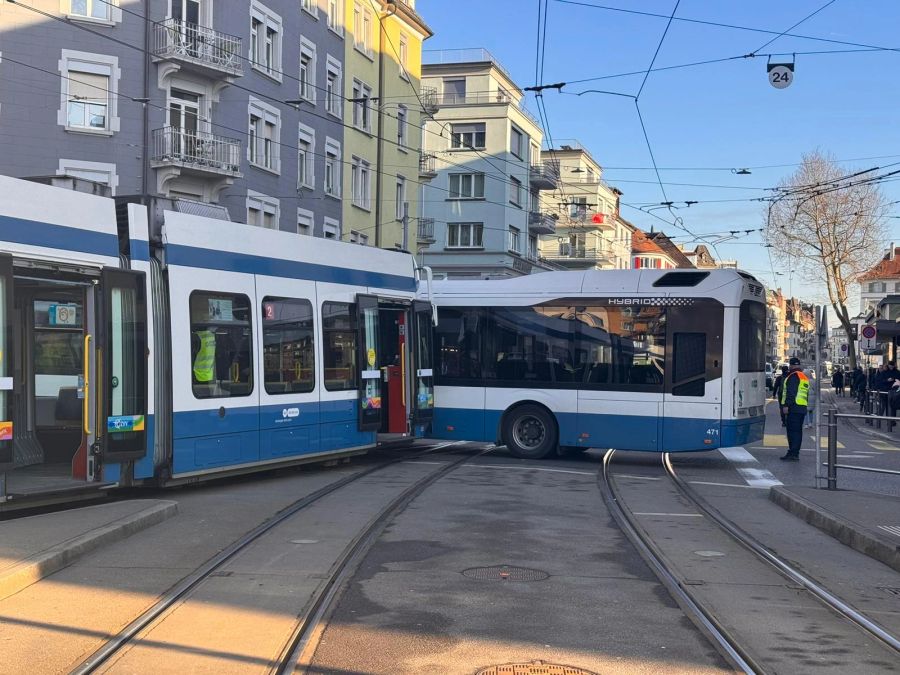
234 103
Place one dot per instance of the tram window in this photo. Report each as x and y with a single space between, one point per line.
530 346
221 345
57 349
339 337
288 350
689 364
751 337
623 347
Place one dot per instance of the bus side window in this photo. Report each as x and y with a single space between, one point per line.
689 364
288 349
221 345
339 338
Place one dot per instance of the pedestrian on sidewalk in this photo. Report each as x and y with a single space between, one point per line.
837 381
794 399
776 391
859 384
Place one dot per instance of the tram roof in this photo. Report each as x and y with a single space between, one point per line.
727 285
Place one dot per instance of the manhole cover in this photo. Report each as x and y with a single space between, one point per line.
893 590
506 573
533 668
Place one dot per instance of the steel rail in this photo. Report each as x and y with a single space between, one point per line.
726 643
301 646
184 587
749 542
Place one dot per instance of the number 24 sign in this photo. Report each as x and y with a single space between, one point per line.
780 74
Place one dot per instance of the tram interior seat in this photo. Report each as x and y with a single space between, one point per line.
68 405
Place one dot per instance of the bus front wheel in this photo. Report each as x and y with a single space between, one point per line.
529 432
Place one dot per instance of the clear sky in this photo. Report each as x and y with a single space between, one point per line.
722 115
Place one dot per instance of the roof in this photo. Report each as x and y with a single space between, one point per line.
640 243
670 249
887 268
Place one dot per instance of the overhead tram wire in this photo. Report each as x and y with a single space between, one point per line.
784 32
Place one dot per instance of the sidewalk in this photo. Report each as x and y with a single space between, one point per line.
864 512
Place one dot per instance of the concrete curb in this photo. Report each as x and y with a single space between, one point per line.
845 531
34 568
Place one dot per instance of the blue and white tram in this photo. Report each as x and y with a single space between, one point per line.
646 360
148 345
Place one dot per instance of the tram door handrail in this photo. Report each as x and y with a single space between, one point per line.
86 399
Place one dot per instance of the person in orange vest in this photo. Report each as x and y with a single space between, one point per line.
794 401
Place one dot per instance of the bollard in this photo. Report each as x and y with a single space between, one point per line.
832 449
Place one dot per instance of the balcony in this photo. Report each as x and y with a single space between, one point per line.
429 98
541 223
544 176
427 168
196 152
485 98
203 49
574 257
425 231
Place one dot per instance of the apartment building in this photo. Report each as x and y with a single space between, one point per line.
240 106
483 152
775 327
880 281
590 234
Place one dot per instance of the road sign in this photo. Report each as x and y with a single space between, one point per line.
845 348
867 335
781 74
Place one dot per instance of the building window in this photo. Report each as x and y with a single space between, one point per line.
288 346
400 196
339 336
646 262
359 238
516 142
361 175
332 167
465 235
305 222
91 9
578 208
310 6
362 28
262 211
403 53
467 136
89 92
334 16
221 345
98 172
515 236
264 136
306 155
333 87
402 131
265 40
331 228
515 191
532 247
307 70
454 92
466 186
362 113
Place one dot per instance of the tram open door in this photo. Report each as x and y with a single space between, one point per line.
73 382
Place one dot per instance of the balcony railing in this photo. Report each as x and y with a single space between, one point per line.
575 255
196 150
198 45
427 165
483 98
541 223
425 230
545 175
429 98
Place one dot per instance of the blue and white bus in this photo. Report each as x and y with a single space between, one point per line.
155 344
650 360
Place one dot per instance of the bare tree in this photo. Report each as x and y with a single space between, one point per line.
828 225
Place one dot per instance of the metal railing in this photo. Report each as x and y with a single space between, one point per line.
831 460
541 223
545 172
579 254
174 38
196 149
429 98
426 164
425 230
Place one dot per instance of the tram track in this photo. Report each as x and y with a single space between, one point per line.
704 616
324 595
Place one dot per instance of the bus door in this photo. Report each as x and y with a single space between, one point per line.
421 352
120 383
368 363
692 402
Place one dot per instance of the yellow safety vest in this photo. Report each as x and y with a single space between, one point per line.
802 397
205 361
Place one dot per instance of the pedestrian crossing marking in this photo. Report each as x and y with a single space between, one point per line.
884 445
893 529
779 441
